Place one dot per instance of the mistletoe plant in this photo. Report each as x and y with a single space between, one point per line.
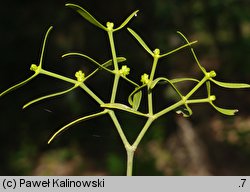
147 84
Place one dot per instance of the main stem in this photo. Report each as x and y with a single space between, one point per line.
151 78
130 149
142 133
130 158
117 76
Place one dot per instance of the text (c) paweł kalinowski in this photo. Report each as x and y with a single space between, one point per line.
59 183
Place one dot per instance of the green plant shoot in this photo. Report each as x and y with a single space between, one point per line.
147 83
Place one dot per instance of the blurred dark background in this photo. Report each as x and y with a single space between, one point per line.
208 143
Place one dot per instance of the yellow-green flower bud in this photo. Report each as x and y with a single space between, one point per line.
110 25
211 74
124 70
212 97
33 67
80 76
144 78
157 51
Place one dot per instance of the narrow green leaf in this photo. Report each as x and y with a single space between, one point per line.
139 39
165 80
225 111
116 106
89 58
106 65
178 80
137 100
155 82
123 108
44 44
100 66
231 85
194 54
110 62
177 49
86 15
127 20
121 59
49 96
75 122
18 85
91 74
40 65
131 96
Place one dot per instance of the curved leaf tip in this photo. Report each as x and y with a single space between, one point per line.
231 85
134 14
75 122
185 112
229 112
44 44
49 96
193 53
86 15
139 39
18 85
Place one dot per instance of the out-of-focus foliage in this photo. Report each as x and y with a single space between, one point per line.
223 31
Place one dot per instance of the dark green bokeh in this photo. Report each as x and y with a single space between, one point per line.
223 31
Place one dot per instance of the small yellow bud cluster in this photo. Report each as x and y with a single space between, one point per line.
211 74
124 70
80 76
212 97
110 25
157 51
144 78
33 67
